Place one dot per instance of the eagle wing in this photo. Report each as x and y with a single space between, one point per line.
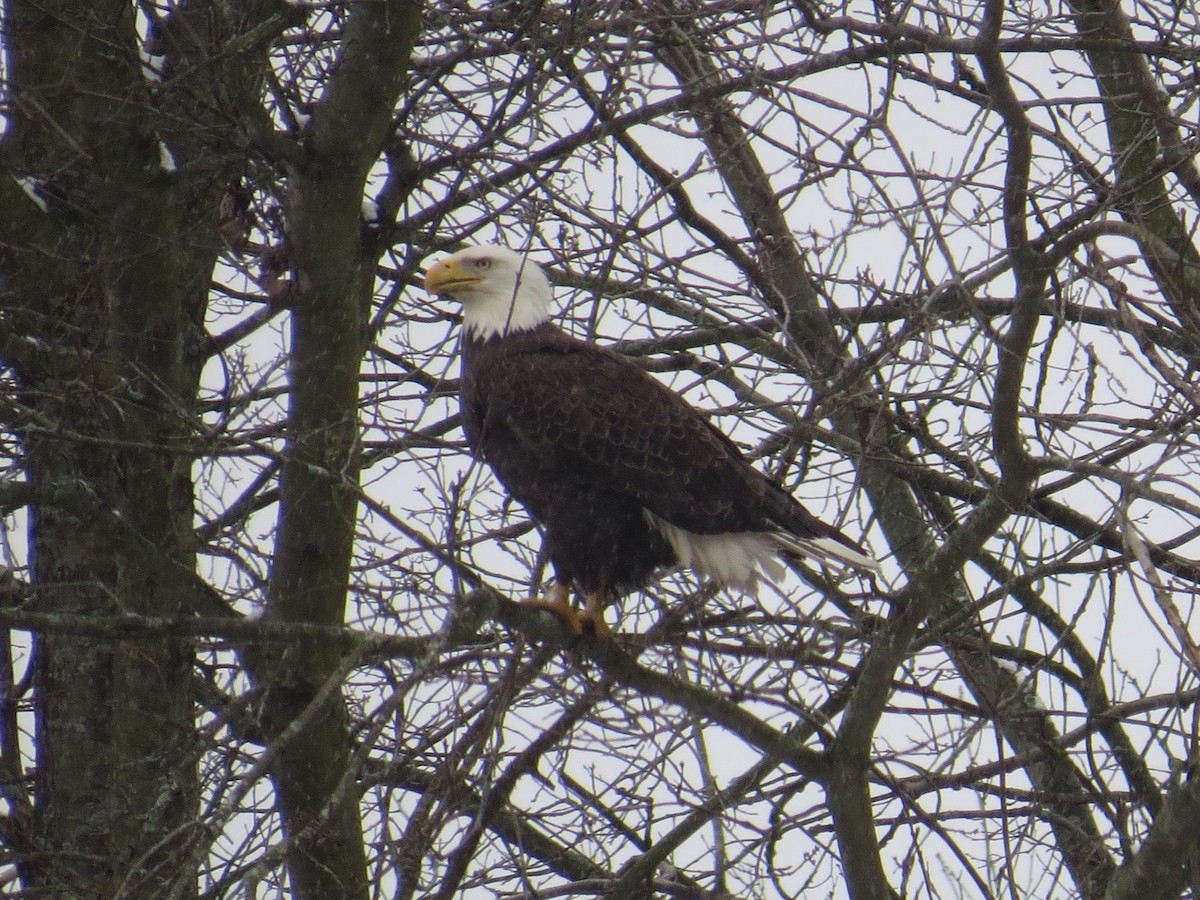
580 413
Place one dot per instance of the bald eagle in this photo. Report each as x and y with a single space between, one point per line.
624 477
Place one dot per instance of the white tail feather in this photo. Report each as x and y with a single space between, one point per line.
826 550
741 559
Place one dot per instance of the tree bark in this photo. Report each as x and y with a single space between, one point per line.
333 260
107 250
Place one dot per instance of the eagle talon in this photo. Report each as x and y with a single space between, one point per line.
592 617
558 604
594 624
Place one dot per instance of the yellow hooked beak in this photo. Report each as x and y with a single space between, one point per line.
447 275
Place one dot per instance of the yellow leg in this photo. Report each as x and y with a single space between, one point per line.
558 602
592 617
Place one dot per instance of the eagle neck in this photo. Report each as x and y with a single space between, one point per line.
512 338
499 313
486 329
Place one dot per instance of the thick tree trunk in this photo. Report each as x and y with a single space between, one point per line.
98 287
107 251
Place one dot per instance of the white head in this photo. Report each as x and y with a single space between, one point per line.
501 291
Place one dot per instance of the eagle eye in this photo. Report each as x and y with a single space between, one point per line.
483 263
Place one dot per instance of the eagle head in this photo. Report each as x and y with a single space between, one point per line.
501 291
